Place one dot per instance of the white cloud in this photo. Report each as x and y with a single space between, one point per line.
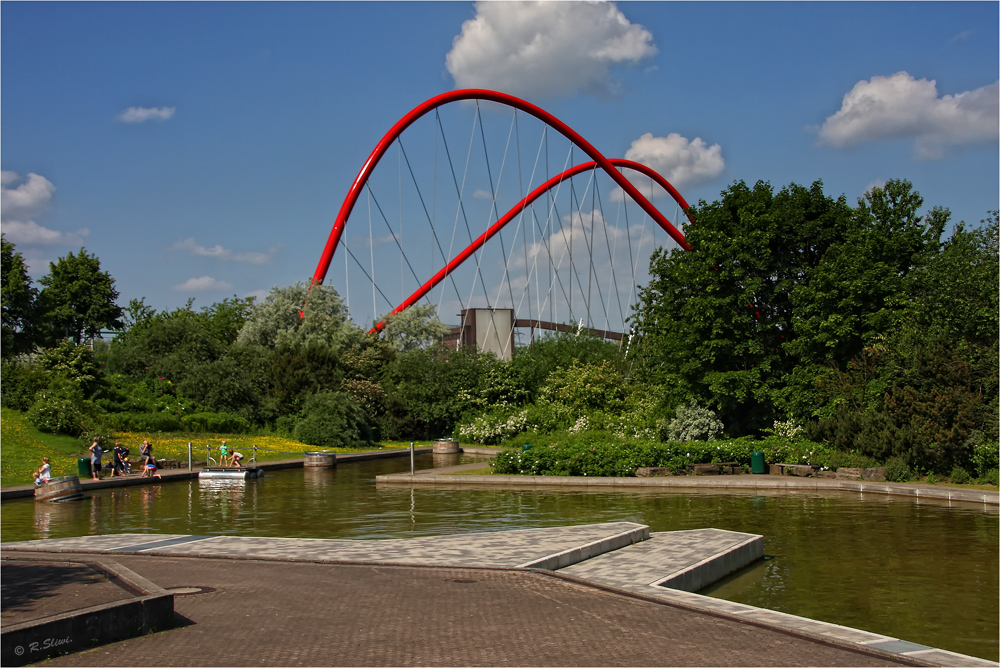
681 162
202 284
901 107
26 200
220 253
543 49
20 204
143 114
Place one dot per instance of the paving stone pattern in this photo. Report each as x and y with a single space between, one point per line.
622 555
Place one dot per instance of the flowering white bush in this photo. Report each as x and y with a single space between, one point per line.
788 429
495 427
694 423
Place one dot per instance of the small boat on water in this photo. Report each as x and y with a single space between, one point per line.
224 473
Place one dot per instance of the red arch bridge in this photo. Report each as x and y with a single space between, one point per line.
492 209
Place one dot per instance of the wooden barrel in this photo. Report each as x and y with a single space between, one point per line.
320 460
446 447
66 488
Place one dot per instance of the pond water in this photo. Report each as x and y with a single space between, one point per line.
925 572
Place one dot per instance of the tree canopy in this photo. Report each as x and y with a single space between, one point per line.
78 299
18 298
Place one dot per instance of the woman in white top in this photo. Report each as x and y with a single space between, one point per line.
43 473
95 458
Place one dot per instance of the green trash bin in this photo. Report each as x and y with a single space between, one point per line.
83 467
525 447
757 464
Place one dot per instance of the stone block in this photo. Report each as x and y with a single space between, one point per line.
801 470
826 474
706 469
876 474
652 471
844 473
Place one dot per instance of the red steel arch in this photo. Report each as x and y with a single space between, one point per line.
509 100
519 208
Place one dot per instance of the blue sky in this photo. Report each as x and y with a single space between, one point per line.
202 150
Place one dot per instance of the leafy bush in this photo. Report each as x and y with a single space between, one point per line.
21 382
143 422
584 387
896 470
984 453
991 477
600 453
215 423
333 420
694 423
60 409
496 425
960 476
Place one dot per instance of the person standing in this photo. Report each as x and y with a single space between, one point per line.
118 460
95 458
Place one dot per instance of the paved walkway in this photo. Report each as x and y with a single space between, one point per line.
466 600
307 614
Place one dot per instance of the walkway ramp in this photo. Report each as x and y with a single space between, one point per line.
684 560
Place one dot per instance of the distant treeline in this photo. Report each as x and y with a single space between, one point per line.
865 327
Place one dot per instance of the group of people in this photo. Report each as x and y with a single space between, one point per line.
120 464
229 460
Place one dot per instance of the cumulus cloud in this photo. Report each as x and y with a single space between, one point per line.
21 201
202 284
543 49
902 107
144 114
220 253
682 162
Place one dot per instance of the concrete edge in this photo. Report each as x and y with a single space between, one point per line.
747 482
715 567
150 611
583 552
174 475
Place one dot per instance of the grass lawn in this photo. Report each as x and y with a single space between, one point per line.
23 447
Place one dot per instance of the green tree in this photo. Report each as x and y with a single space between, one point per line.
427 390
78 299
861 286
18 298
715 321
416 327
287 316
777 289
957 291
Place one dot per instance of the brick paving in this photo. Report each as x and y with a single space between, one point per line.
600 563
261 613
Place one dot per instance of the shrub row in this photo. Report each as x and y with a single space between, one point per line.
196 422
595 453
